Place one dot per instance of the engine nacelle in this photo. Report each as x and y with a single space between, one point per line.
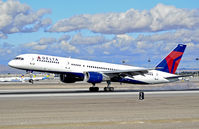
95 77
70 78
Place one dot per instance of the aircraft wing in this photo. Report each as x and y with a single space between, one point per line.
123 73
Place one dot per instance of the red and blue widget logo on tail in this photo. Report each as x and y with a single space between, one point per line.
171 62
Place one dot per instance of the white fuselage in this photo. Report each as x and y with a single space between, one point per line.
53 64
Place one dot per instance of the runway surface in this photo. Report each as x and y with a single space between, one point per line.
63 108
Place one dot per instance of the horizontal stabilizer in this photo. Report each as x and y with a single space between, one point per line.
178 76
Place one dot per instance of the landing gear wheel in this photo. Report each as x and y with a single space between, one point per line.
94 89
31 81
111 88
108 89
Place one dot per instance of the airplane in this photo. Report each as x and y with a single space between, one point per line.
11 79
23 79
73 70
34 78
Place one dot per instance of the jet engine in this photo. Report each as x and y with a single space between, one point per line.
71 78
95 77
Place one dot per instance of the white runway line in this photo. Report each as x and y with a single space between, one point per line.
41 90
90 94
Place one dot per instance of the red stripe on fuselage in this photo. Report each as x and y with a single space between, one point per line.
170 58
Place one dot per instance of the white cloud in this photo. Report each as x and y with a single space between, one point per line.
80 39
42 44
30 44
106 53
6 49
161 17
34 46
4 52
47 41
51 44
39 47
119 41
2 35
64 37
153 45
179 36
17 17
68 47
125 37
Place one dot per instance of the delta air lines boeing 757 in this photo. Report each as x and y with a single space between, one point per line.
73 70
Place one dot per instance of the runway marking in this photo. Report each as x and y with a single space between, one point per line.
92 94
100 123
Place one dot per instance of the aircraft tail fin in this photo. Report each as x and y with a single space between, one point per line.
171 62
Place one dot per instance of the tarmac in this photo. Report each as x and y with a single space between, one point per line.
55 105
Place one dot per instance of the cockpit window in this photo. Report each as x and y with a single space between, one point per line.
18 58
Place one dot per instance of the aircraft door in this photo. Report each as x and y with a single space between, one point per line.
156 76
67 65
32 61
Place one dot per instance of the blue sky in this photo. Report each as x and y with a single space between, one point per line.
106 30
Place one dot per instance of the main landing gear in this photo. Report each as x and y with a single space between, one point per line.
106 89
93 88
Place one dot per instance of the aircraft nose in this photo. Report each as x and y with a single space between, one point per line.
11 63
